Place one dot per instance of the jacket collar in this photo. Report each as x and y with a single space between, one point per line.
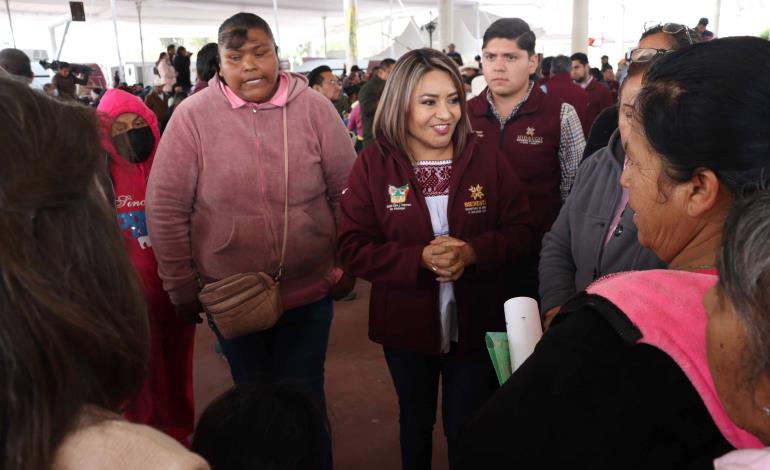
479 106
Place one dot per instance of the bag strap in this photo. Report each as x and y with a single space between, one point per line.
286 192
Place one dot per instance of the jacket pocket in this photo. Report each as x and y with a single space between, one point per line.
248 247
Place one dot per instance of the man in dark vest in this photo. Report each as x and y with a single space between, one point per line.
541 136
561 87
599 95
369 96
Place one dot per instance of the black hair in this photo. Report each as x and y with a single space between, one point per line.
181 49
606 67
545 66
561 64
315 77
387 63
595 73
261 426
64 65
355 68
207 63
514 29
170 46
695 117
234 30
16 62
580 57
606 57
685 37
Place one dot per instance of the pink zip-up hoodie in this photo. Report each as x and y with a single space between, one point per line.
216 192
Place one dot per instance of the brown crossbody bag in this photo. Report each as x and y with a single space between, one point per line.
249 302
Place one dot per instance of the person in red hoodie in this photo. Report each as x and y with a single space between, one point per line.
131 137
432 221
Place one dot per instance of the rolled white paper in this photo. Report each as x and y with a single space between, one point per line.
522 323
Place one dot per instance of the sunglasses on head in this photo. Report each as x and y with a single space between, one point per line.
673 29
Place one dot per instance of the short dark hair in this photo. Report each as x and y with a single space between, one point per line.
606 67
595 73
355 68
64 65
387 63
234 30
695 117
514 29
561 64
605 57
277 426
580 57
545 65
16 62
207 63
315 77
703 21
170 46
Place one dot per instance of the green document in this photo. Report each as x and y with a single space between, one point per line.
497 345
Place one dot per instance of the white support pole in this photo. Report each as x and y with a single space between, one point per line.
350 9
275 19
63 38
446 21
117 41
10 22
141 36
478 29
716 17
390 33
326 50
579 26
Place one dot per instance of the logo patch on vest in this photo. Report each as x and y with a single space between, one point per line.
530 138
398 195
476 204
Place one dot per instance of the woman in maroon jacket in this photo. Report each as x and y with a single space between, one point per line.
432 223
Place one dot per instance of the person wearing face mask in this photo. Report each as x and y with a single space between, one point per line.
130 138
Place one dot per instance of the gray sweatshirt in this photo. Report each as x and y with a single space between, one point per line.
574 253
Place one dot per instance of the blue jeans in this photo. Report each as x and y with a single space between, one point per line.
467 383
294 349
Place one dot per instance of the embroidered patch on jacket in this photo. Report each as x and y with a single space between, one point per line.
398 195
530 138
477 204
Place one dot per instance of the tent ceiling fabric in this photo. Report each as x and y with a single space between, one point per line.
214 11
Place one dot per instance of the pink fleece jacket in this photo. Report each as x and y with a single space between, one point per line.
215 197
667 308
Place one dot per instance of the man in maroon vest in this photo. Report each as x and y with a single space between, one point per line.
561 87
599 96
542 136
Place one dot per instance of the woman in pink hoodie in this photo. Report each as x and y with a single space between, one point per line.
216 200
130 137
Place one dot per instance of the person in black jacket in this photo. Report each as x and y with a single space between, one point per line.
600 391
182 67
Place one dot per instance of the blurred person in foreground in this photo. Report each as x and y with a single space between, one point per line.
75 339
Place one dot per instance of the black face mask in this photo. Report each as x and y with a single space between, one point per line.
135 145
